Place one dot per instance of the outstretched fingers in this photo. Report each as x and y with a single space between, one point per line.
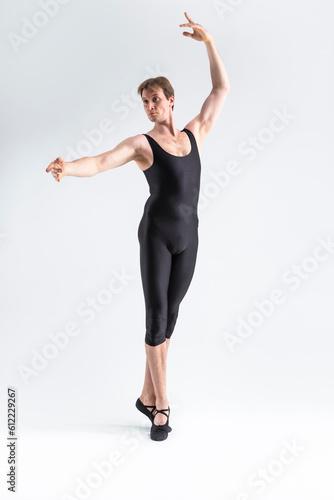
191 22
188 17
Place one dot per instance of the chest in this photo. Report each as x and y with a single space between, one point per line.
179 147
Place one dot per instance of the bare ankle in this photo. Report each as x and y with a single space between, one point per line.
162 403
147 397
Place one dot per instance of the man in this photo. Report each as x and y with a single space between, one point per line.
168 239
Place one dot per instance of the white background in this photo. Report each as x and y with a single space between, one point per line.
232 408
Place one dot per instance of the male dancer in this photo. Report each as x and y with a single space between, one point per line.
168 230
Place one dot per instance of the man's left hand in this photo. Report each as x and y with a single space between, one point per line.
200 34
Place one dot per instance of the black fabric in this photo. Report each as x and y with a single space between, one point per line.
168 236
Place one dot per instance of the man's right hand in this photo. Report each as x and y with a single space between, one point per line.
57 168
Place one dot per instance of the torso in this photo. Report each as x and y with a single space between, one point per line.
170 213
181 147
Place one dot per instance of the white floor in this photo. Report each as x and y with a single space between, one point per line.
210 453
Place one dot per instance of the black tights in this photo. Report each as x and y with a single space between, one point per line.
166 277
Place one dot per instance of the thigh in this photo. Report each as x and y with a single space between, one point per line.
182 271
155 266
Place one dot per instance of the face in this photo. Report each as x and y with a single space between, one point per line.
156 105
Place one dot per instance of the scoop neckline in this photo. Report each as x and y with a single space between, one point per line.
170 154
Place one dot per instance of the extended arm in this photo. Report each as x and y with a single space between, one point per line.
213 104
218 72
88 166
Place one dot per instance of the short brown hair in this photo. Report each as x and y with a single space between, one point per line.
158 82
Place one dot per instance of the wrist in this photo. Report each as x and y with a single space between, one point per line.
209 41
68 169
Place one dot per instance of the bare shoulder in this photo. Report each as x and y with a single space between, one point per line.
131 148
144 156
194 127
139 144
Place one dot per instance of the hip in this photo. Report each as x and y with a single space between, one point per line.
170 230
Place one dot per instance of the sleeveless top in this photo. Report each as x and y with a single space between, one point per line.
174 183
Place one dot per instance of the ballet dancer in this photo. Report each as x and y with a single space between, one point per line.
168 230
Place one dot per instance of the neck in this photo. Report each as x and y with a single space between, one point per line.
166 127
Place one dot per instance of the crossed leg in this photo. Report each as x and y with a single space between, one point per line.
151 395
169 284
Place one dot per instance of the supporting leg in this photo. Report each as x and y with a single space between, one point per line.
155 264
157 360
149 395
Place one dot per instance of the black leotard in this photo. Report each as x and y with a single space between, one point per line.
168 236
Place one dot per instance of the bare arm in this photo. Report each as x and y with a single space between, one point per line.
218 72
124 152
83 167
88 166
213 104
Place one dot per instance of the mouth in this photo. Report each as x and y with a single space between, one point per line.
151 114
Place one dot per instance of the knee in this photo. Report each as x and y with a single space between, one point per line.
155 331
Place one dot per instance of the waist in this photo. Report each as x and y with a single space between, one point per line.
171 208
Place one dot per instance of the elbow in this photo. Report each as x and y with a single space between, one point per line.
97 166
226 87
222 88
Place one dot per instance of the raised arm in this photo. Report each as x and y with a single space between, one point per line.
88 166
213 104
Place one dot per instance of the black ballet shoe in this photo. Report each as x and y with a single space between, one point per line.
149 413
160 432
144 409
